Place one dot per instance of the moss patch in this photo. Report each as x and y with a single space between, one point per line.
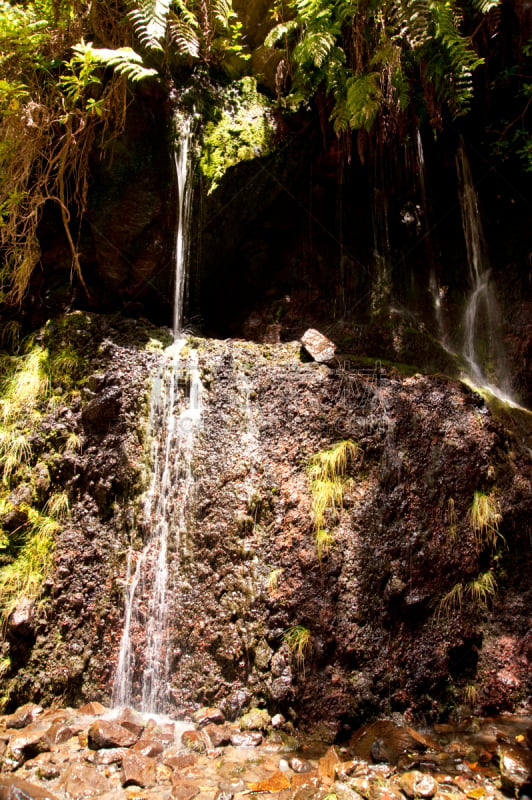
244 131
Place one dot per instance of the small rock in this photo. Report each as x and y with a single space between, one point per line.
111 755
148 747
183 790
23 716
344 792
80 780
104 733
137 770
379 791
306 780
275 783
318 346
234 786
14 788
26 745
205 716
246 739
327 764
418 784
92 709
223 795
257 719
58 733
219 735
278 721
361 784
131 720
180 761
515 764
299 764
345 769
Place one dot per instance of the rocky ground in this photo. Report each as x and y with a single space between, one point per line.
66 754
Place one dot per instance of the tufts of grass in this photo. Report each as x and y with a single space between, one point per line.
451 601
328 483
58 506
273 581
324 542
332 464
484 517
479 591
23 578
327 496
453 519
298 638
26 385
14 450
72 443
471 695
482 589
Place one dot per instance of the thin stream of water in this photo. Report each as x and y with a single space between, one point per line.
142 675
481 321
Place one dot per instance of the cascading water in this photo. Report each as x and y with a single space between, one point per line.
481 318
175 413
183 169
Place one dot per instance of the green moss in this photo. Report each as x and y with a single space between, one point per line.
243 132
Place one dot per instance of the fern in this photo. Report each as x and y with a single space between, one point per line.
150 19
184 31
281 33
123 60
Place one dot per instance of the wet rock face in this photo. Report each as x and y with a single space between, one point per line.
387 593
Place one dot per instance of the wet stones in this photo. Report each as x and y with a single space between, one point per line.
246 739
13 788
137 769
318 346
204 716
23 716
105 733
418 784
515 764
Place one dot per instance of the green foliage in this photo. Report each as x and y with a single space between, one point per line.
479 591
371 57
273 581
328 483
22 579
484 516
298 638
243 131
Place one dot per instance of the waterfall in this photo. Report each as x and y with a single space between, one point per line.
482 321
144 662
183 170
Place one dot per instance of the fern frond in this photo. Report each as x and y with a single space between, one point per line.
185 36
150 19
363 100
222 11
124 60
485 6
313 49
281 32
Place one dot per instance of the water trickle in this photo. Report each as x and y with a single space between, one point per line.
183 168
142 675
482 321
175 414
